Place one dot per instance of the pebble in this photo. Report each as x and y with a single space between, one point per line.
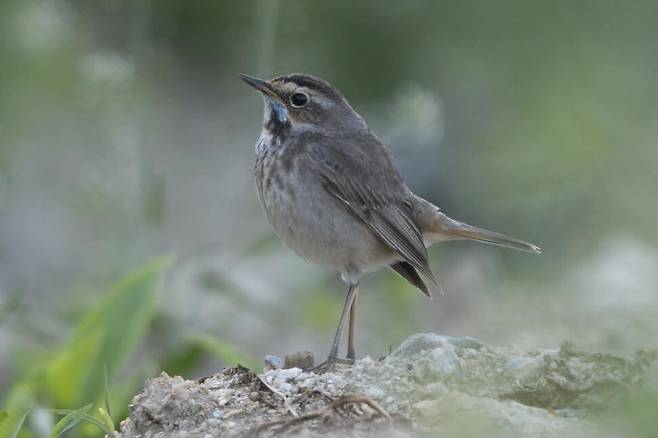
525 369
301 359
308 382
273 362
288 374
336 380
420 342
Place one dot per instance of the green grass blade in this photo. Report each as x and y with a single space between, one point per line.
69 421
107 421
88 418
107 393
106 337
19 425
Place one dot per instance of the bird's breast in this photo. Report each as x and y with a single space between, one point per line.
311 221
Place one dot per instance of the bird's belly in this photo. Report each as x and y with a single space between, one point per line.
321 230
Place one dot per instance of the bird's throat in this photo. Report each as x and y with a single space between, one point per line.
276 124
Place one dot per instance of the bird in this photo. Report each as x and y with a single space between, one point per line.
333 194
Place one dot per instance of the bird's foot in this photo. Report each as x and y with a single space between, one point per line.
329 365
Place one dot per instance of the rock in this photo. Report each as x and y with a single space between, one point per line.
525 369
420 342
273 362
301 359
431 385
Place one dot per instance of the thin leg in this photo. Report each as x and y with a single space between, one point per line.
351 351
333 353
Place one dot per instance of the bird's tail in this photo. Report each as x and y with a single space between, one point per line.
446 228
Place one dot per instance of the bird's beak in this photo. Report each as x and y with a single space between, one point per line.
260 85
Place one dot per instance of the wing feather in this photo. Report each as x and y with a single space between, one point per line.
354 176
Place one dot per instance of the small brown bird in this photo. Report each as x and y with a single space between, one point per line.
331 191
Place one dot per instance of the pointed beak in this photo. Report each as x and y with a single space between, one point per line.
259 84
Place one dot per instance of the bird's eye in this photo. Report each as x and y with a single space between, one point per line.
299 99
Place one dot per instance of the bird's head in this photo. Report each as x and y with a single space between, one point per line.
300 103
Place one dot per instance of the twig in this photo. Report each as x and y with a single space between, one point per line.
325 412
286 402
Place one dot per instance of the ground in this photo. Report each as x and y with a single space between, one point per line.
430 385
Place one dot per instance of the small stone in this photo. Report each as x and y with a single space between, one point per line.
287 374
253 396
301 359
525 369
336 381
273 362
217 413
420 342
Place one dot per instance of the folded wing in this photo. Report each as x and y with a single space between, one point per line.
365 180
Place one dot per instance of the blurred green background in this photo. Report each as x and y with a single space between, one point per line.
125 134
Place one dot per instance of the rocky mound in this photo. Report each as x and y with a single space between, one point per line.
432 384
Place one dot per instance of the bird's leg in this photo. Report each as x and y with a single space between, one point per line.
330 363
351 351
349 301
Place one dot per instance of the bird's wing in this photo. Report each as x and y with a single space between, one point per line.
360 174
409 273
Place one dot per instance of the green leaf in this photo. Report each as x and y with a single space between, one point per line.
18 404
19 424
88 418
69 421
108 411
107 421
106 337
3 416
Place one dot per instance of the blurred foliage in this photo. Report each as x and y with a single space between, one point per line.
124 133
103 341
105 338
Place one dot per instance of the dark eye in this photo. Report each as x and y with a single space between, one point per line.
299 99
